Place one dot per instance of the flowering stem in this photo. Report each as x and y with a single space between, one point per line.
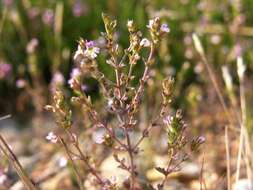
146 131
79 179
143 80
92 170
111 132
19 169
130 152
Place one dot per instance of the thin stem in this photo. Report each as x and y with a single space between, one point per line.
148 129
227 159
130 152
244 132
239 156
217 89
94 116
16 164
84 159
143 81
79 178
142 137
130 71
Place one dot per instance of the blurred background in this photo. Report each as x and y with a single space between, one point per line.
38 39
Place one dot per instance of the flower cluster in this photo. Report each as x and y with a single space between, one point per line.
157 29
5 70
52 137
168 87
48 17
86 50
175 129
63 114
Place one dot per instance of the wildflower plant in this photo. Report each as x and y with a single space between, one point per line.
123 100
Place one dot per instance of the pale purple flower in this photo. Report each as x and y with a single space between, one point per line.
56 81
58 78
145 42
164 28
201 139
79 9
62 162
238 49
89 44
5 70
20 83
75 73
52 137
90 51
85 87
167 120
48 17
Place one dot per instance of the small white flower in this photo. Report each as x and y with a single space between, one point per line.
98 136
137 56
20 83
150 23
145 42
164 28
52 137
90 51
62 162
79 52
110 102
71 82
3 178
215 39
130 23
